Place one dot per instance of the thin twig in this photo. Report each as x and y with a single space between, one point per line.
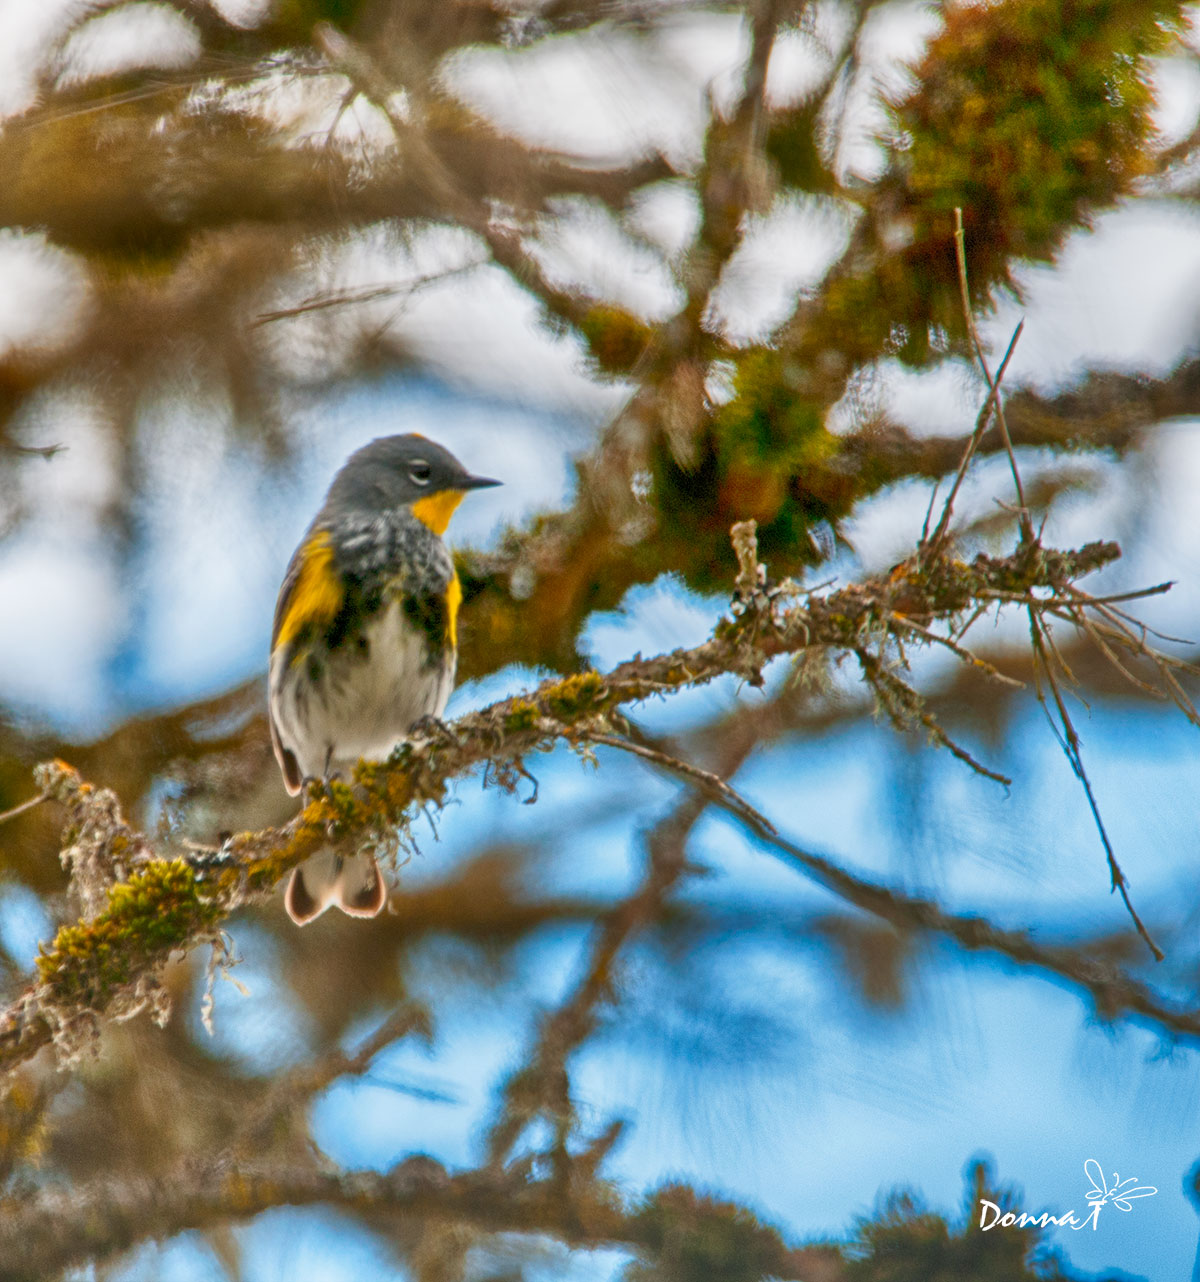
1112 990
1138 594
1113 613
1114 625
976 614
6 815
904 706
940 533
906 624
694 774
231 73
365 294
36 451
1064 730
960 254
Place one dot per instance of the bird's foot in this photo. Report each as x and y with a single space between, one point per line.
434 728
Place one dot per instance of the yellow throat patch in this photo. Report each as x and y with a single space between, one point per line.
436 510
317 596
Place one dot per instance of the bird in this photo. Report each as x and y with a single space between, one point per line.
365 638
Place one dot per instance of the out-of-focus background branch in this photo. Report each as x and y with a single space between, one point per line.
662 268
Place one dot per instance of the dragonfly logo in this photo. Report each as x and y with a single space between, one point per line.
1120 1193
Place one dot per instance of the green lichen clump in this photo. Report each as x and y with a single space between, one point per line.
616 338
768 457
769 425
1034 114
521 716
158 909
575 696
384 790
343 807
1031 116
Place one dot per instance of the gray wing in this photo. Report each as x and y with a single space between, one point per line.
293 781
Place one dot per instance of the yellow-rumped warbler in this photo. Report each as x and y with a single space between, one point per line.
365 640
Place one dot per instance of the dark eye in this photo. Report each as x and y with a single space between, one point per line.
418 470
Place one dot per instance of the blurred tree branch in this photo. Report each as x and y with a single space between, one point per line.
50 1233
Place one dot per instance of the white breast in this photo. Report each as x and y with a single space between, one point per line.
358 704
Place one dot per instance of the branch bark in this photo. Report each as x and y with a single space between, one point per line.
107 963
57 1230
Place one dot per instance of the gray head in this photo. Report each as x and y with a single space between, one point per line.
404 471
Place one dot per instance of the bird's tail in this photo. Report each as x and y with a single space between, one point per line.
352 883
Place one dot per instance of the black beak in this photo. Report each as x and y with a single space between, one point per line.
477 483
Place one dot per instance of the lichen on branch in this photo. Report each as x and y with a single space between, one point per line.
163 901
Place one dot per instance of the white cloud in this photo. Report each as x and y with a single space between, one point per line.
242 13
43 292
784 252
143 34
1122 296
610 95
27 33
63 616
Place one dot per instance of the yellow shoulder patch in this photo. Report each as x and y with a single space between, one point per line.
436 510
453 601
317 596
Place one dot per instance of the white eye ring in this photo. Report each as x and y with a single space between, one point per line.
418 471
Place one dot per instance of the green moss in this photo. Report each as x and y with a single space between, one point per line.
522 715
769 423
767 456
575 695
615 337
792 142
159 908
345 806
1030 116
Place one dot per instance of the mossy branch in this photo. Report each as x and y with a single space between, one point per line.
143 904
